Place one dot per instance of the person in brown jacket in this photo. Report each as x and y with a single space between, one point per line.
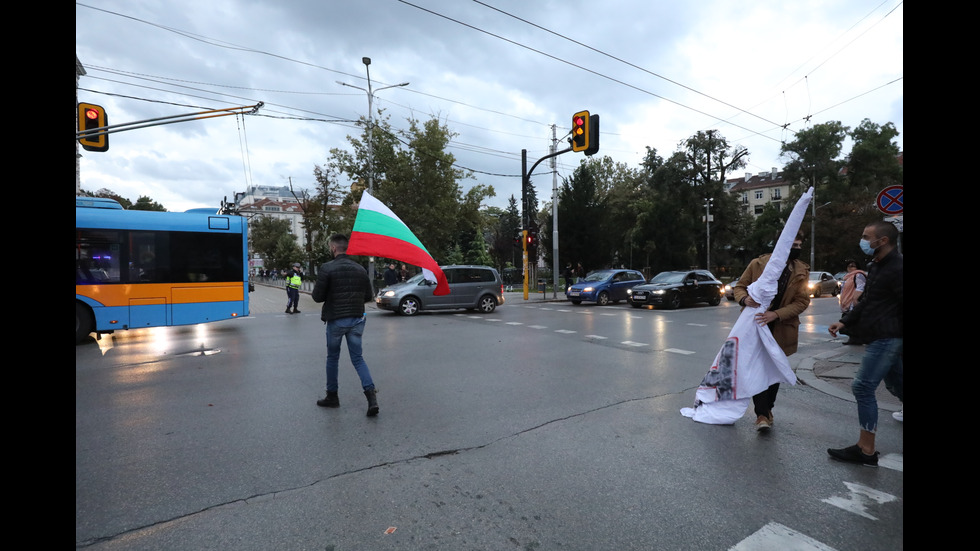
782 317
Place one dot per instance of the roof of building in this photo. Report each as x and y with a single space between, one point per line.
760 180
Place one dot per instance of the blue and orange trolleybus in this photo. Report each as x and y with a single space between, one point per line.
138 269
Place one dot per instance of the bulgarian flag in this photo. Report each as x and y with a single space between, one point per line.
378 232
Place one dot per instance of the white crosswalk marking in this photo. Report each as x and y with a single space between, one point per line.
859 498
776 537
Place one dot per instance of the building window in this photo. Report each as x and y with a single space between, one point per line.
758 194
777 194
271 208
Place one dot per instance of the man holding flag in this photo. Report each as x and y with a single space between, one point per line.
343 287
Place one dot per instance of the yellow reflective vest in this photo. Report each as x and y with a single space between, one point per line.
294 281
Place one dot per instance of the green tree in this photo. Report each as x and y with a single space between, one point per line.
273 241
669 222
145 203
711 159
414 175
815 161
581 221
871 167
503 250
326 214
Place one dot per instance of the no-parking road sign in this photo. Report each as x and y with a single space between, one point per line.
890 200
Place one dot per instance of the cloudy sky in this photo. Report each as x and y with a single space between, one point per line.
498 73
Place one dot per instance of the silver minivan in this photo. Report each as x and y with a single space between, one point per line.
471 287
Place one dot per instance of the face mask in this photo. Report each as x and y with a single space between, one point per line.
794 254
867 248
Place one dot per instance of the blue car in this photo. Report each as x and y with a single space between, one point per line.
604 286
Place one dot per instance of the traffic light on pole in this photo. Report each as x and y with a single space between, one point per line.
581 135
593 131
90 118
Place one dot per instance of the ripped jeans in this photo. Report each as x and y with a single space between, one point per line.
882 362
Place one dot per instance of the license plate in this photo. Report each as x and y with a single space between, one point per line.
639 295
573 293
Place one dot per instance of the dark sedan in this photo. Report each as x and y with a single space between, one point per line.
674 289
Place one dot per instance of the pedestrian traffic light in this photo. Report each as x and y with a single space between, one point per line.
91 118
580 131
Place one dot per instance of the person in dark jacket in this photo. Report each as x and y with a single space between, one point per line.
879 318
343 287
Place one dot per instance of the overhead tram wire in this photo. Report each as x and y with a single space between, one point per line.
623 61
328 118
586 69
221 44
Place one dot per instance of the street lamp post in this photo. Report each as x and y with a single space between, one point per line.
707 221
370 94
813 229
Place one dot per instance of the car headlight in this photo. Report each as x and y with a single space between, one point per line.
389 293
587 290
629 291
658 292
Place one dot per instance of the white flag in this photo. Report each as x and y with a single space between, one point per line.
750 360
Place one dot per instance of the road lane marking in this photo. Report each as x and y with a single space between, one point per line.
777 536
678 351
859 498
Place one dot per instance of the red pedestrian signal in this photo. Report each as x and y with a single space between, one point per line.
91 120
580 131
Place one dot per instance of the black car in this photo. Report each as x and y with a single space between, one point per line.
673 289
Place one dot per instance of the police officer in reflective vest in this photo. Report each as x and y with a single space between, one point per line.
293 282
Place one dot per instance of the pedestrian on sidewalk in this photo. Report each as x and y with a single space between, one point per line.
879 318
851 290
782 318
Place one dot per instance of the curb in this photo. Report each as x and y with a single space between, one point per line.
804 369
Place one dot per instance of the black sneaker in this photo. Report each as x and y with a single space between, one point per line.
853 454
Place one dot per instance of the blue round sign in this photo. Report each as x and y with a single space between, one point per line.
890 200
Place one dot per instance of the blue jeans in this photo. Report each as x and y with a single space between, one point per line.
882 362
353 329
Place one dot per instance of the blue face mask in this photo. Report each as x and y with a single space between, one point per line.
867 248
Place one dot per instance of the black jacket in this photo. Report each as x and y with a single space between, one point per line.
879 312
343 287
